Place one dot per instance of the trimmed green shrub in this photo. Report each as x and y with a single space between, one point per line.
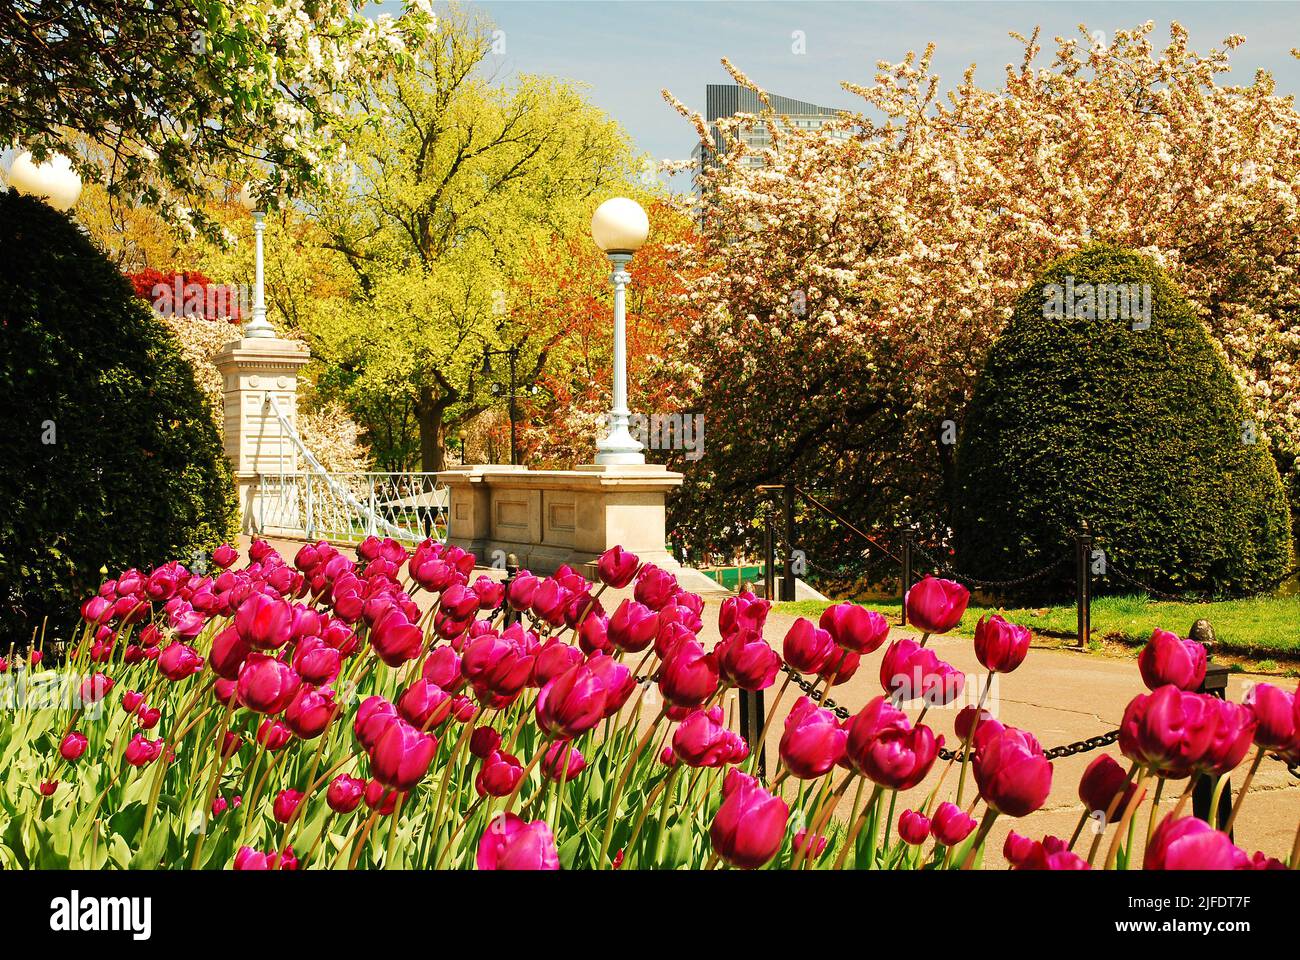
1142 433
110 457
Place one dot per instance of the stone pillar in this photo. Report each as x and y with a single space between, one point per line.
255 370
551 517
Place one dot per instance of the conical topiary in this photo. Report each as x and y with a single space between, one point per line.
1128 419
110 457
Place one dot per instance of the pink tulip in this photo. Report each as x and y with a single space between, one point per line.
1169 731
690 677
1192 844
655 587
1013 775
552 659
286 802
816 848
633 626
264 622
499 775
1051 854
94 688
616 567
141 752
914 827
562 761
380 799
1233 734
395 638
806 648
401 755
749 826
951 825
442 667
572 703
273 735
813 741
935 605
744 611
885 748
909 671
1168 659
178 662
47 787
509 843
521 591
971 725
551 601
266 685
1275 716
1102 781
316 661
1000 646
616 678
224 556
229 651
855 628
483 741
746 661
345 793
73 746
310 711
703 740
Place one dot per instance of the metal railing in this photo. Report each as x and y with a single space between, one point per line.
348 507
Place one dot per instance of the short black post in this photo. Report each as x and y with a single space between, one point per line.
908 535
1216 685
1083 585
769 555
751 701
787 582
512 571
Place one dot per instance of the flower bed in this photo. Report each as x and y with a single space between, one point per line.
397 710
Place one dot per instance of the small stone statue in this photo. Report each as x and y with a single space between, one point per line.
1203 633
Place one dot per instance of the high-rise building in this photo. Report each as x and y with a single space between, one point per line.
722 100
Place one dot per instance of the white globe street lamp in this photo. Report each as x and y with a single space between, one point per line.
619 228
258 326
53 181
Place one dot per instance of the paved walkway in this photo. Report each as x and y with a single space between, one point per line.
1058 695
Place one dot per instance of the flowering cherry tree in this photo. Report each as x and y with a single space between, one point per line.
858 275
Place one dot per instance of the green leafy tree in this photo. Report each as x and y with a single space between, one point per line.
442 200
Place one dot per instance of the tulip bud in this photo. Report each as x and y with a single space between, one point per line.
749 826
286 802
1192 844
500 774
562 762
401 755
1013 775
266 685
483 742
951 825
813 741
655 587
345 793
913 827
854 628
1000 646
73 746
1168 659
935 605
806 647
1102 781
178 662
616 567
509 843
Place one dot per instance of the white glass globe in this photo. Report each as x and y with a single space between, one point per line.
53 181
247 199
619 225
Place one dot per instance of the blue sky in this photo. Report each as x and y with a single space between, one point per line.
626 50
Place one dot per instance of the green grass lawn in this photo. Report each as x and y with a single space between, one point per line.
1258 627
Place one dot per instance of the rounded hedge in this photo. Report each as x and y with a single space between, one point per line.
110 457
1085 415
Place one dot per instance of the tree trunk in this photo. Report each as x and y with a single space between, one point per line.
429 413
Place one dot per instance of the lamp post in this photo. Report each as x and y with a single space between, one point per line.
619 228
258 326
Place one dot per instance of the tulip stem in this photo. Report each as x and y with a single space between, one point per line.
970 735
820 818
611 815
757 746
218 764
1241 794
855 823
1214 800
1110 812
1139 794
1151 818
986 824
364 833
